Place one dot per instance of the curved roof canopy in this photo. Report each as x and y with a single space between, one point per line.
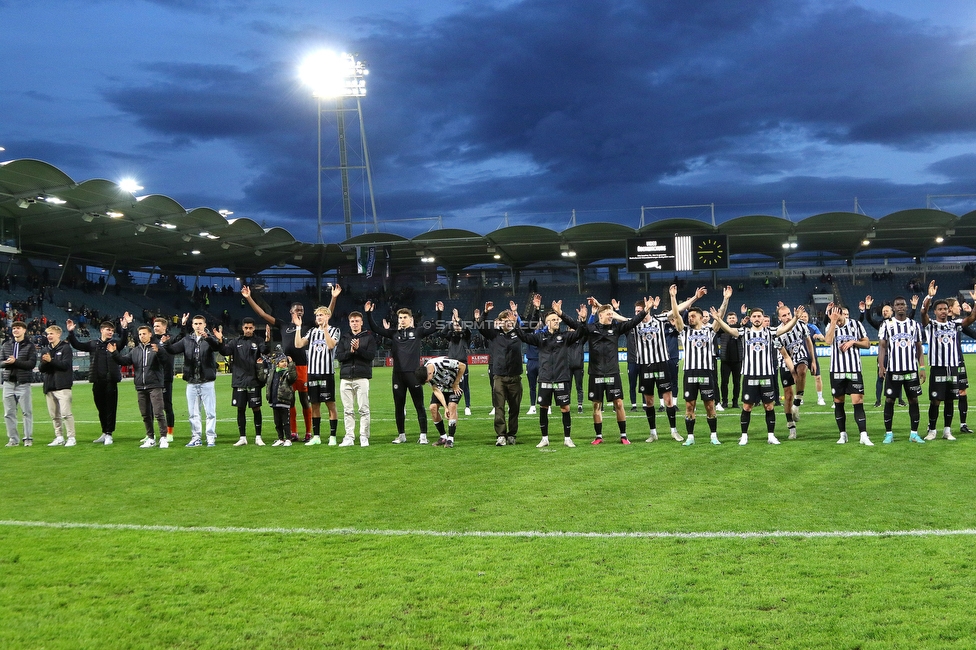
43 212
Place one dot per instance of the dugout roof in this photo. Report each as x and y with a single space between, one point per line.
46 214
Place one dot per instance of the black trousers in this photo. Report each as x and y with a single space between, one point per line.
106 394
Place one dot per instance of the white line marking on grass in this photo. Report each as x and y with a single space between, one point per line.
232 530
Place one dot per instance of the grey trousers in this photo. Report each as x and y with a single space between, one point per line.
151 406
14 395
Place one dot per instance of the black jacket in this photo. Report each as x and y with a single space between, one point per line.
146 363
603 340
405 344
505 349
57 374
166 359
554 352
103 367
19 371
199 364
458 342
358 364
245 352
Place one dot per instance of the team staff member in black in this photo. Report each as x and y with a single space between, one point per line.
554 373
458 342
104 374
246 351
730 353
576 361
405 343
506 369
286 329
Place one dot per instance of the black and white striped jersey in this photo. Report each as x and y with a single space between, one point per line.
699 348
757 351
795 342
846 360
649 340
901 337
943 339
445 372
321 360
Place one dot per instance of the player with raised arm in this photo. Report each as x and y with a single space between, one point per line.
846 339
901 362
321 341
699 362
796 349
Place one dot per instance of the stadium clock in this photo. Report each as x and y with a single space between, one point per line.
710 252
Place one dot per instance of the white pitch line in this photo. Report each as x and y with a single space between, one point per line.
232 530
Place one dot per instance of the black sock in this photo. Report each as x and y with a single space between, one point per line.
672 412
770 421
789 418
712 425
963 408
451 428
933 415
598 427
257 422
651 417
440 428
744 419
914 414
316 426
950 409
567 423
860 418
544 421
840 416
622 425
241 422
333 427
690 426
889 413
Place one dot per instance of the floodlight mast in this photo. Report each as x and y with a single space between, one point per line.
339 76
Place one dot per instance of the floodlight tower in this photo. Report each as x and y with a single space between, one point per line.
338 77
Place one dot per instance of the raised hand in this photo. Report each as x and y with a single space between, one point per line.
489 306
868 301
700 292
933 289
69 325
914 302
336 290
368 306
861 305
246 291
512 306
673 291
727 292
557 306
185 318
439 305
615 304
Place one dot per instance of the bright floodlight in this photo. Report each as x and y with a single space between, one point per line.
334 75
129 185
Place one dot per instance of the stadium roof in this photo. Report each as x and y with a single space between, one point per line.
44 213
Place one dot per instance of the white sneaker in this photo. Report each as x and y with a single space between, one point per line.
467 410
500 441
792 435
108 439
866 441
241 442
947 434
100 440
543 443
676 435
286 443
795 411
347 442
278 443
744 439
569 442
821 402
57 442
843 438
423 439
653 436
772 439
400 439
258 442
531 410
333 442
163 442
719 407
70 442
491 412
714 439
363 441
931 435
147 444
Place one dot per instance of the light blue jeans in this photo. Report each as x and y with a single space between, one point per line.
205 394
14 394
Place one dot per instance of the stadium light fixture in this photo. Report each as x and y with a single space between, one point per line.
939 239
24 203
186 238
224 213
130 185
114 214
866 242
88 217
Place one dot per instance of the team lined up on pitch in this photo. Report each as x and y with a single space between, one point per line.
303 368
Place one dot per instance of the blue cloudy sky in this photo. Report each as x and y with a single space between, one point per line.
533 107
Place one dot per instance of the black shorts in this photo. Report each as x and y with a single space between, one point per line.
321 388
605 386
651 375
943 383
246 397
786 377
699 382
450 397
846 383
758 389
895 381
962 379
549 390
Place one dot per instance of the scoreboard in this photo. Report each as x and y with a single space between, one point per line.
677 253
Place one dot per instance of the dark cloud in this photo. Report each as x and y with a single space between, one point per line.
594 105
958 168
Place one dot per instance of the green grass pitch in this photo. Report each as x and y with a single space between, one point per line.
378 547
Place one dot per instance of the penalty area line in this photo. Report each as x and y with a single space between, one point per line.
232 530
